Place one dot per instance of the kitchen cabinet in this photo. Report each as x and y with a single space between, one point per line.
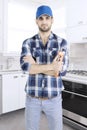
1 22
77 34
3 25
10 93
13 95
76 12
76 19
22 82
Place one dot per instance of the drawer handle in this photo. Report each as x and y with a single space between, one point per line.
84 38
80 22
15 77
23 76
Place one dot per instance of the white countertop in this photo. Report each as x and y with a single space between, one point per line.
75 78
10 72
68 77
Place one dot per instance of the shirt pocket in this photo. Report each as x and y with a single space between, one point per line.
53 52
36 54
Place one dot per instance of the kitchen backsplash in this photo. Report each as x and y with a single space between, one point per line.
78 56
78 50
9 63
77 64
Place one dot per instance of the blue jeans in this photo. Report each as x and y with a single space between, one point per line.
51 107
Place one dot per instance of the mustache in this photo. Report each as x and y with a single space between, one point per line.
43 24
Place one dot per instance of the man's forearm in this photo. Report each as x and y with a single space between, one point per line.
48 69
50 73
36 68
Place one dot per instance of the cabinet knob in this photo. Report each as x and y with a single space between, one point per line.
15 77
84 38
80 22
23 76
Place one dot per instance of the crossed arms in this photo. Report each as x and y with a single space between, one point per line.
52 69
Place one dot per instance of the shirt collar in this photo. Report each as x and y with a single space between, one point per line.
50 37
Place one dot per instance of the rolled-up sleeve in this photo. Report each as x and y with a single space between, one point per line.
65 50
25 51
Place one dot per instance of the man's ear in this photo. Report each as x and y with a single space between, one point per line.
52 20
36 21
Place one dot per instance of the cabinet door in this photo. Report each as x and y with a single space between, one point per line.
76 12
10 92
1 25
22 83
77 34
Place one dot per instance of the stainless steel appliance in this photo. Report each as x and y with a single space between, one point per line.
75 97
0 96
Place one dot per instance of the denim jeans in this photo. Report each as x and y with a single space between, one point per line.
51 107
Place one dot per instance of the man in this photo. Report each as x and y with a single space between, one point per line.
41 59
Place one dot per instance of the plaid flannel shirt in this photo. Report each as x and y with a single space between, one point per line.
41 85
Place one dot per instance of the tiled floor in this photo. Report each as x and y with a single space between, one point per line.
15 121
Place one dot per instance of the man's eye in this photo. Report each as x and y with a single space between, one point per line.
47 17
40 18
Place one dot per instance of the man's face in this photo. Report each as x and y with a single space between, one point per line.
44 23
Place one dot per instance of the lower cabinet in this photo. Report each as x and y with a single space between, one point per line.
13 94
22 94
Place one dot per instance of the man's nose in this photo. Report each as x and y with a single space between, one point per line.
44 21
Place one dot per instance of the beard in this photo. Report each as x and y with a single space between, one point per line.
44 29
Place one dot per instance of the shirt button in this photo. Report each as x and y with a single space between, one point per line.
43 84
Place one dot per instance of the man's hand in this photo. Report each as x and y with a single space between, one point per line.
58 63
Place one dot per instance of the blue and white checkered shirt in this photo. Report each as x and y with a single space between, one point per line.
41 85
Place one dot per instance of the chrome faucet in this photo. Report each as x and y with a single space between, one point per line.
9 62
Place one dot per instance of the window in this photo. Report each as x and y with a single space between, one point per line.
21 25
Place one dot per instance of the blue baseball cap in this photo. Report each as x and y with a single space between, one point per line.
42 10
